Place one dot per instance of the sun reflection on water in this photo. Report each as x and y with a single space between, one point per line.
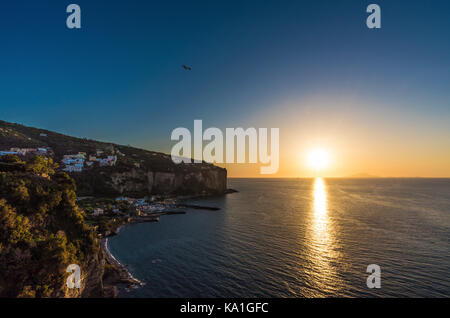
320 201
320 230
321 255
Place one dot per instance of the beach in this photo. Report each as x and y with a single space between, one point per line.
124 277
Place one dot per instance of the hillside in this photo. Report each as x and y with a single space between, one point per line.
42 231
137 172
16 135
42 228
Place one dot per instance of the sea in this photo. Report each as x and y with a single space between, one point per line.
298 238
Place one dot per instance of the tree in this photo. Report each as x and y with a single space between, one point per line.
10 159
41 166
42 231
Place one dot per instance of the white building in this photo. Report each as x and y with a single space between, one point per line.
108 161
74 159
112 160
98 211
24 151
74 168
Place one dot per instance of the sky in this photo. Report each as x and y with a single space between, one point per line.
378 100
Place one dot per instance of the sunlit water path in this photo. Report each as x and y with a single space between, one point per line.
298 238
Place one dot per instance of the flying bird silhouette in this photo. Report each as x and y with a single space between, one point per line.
187 68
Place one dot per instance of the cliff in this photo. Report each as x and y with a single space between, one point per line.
202 181
138 172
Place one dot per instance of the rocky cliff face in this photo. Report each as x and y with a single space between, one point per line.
202 180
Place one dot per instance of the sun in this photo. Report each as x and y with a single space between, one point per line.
318 159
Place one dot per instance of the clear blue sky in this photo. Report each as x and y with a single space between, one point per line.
120 79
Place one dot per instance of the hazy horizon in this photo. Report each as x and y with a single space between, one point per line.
255 167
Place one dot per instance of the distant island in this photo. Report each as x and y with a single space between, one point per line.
61 197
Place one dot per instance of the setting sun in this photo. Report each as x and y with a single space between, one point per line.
318 159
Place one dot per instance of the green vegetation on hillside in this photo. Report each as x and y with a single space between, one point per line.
42 230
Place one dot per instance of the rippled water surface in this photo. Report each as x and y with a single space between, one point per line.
298 238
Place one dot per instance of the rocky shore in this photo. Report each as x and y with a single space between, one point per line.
119 276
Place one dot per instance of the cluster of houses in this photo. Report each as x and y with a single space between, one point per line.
142 206
76 162
135 207
25 151
71 163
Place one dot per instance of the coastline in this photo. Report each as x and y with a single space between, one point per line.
123 275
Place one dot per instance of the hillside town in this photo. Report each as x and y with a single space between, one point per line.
126 206
107 215
76 162
26 151
70 162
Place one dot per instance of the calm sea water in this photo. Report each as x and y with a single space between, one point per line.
298 238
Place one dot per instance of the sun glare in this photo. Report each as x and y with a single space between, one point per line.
318 159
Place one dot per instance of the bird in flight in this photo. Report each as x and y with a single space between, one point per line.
187 68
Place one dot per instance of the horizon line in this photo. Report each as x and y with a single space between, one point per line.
249 177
